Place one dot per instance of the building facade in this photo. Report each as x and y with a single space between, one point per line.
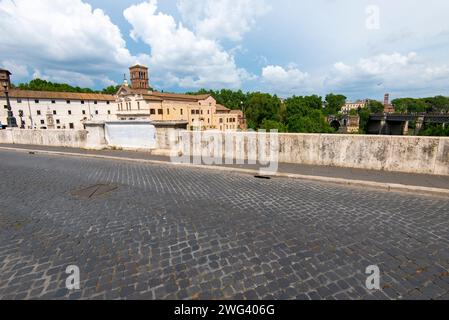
57 110
201 112
63 110
348 107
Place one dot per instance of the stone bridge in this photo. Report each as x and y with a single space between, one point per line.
398 124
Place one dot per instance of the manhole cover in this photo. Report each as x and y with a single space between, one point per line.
94 191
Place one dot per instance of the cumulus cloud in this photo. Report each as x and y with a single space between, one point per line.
62 39
393 72
284 80
179 56
399 74
217 19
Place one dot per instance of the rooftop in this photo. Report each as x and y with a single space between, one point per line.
28 94
138 66
4 70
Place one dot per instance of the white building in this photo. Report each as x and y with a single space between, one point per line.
360 104
57 110
53 110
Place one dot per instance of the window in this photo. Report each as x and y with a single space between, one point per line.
181 112
152 111
107 102
36 101
82 102
138 105
53 101
96 112
197 111
168 111
193 111
54 112
70 112
159 111
84 111
71 126
58 127
109 111
221 120
95 102
68 101
42 121
58 121
38 112
19 100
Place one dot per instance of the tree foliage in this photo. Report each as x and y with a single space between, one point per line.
410 105
44 85
334 103
435 130
305 115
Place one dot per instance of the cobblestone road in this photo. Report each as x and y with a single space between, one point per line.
180 233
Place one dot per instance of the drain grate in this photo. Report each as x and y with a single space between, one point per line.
94 191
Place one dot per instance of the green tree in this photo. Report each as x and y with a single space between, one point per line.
260 107
334 103
409 105
273 125
44 85
375 106
303 116
111 90
434 130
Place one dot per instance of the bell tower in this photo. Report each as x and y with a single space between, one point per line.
5 79
139 77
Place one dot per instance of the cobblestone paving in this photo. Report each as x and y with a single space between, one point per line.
180 233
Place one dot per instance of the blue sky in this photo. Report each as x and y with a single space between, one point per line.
355 47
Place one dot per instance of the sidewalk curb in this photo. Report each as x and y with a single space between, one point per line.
389 187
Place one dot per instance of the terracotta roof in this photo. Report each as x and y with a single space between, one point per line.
138 66
222 108
175 96
151 97
28 94
160 96
237 112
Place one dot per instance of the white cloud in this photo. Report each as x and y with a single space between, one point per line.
179 56
216 19
393 72
284 80
62 38
76 78
17 70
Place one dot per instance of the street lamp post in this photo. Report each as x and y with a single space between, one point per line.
11 120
